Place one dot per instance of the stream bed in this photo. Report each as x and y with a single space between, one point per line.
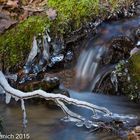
46 124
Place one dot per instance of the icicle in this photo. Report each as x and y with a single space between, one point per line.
65 119
2 90
33 52
24 114
12 77
79 123
88 124
114 80
48 37
69 119
46 53
16 98
138 43
8 98
57 58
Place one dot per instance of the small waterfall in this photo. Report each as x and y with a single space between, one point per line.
88 64
89 71
101 75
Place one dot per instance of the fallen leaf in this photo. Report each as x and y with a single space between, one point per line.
32 9
5 23
51 13
2 1
24 15
13 4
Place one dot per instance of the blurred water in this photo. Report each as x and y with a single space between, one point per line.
87 69
46 124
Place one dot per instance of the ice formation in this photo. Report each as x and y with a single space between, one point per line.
59 99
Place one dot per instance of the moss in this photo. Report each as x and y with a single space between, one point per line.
131 87
73 13
135 66
15 43
128 75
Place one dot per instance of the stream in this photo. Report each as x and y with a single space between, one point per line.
98 48
45 123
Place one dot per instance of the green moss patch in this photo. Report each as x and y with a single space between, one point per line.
73 13
135 66
15 44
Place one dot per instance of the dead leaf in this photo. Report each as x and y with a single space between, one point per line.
24 15
2 1
13 4
51 13
32 9
5 23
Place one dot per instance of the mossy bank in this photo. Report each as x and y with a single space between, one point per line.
15 43
135 67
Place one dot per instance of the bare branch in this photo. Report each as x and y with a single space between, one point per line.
58 98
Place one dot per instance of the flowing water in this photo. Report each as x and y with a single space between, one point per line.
88 67
45 123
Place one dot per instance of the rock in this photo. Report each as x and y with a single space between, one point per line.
120 47
137 129
69 56
57 59
134 134
57 47
30 83
138 8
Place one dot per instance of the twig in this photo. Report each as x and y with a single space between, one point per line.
58 98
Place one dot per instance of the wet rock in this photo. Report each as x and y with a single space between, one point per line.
46 84
137 7
119 49
134 134
105 87
56 59
69 56
57 47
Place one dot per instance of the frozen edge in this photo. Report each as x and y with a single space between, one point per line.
58 98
